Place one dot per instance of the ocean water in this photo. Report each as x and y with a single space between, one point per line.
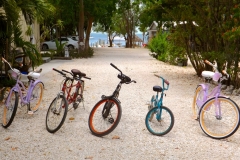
98 38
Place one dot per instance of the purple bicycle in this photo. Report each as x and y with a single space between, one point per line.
30 96
218 115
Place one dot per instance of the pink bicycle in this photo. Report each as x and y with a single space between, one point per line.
31 96
218 115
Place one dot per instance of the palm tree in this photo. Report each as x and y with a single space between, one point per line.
12 33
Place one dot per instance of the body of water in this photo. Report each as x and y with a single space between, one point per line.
102 39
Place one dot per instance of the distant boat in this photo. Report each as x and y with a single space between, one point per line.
91 37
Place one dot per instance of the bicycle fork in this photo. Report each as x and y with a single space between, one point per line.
106 111
217 109
57 110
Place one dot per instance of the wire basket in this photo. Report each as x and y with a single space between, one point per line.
14 74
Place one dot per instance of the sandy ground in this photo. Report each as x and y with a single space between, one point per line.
27 137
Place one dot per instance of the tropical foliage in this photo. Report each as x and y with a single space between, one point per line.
205 29
11 34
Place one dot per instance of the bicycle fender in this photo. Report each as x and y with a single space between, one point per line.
35 83
38 81
203 86
111 97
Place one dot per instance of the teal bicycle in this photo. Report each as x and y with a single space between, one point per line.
160 119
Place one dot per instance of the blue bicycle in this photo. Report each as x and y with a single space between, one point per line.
160 119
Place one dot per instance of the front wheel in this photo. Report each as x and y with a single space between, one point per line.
56 114
219 118
9 111
36 97
163 125
104 117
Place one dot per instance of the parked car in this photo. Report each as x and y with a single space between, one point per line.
71 44
75 38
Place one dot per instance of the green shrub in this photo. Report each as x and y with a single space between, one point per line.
165 50
84 54
159 47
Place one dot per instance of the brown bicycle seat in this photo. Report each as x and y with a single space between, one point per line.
77 72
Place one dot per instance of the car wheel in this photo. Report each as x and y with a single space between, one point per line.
44 47
70 47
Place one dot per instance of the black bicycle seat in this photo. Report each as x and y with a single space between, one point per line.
77 72
157 88
124 78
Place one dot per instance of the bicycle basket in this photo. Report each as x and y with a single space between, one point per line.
14 74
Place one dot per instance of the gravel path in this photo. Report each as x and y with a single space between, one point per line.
27 137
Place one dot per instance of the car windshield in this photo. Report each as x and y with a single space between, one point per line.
63 39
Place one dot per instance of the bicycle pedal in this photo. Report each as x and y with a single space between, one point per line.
30 112
75 105
79 99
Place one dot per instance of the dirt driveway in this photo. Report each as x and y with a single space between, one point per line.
27 137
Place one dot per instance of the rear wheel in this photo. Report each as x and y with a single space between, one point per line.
104 117
56 114
219 118
36 97
9 112
162 126
198 101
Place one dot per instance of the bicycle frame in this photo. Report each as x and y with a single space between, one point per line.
159 101
215 92
25 99
67 90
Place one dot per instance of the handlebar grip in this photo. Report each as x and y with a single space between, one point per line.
209 63
166 81
157 75
4 59
225 73
87 77
67 71
113 65
58 71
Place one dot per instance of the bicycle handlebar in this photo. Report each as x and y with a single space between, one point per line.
8 64
164 80
67 72
225 73
209 63
115 67
59 72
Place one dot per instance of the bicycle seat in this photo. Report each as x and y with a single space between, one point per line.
157 88
77 72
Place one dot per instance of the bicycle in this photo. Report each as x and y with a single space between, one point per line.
164 118
214 110
30 96
58 108
106 114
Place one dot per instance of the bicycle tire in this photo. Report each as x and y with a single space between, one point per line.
54 113
36 97
10 112
197 101
167 119
215 126
100 126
